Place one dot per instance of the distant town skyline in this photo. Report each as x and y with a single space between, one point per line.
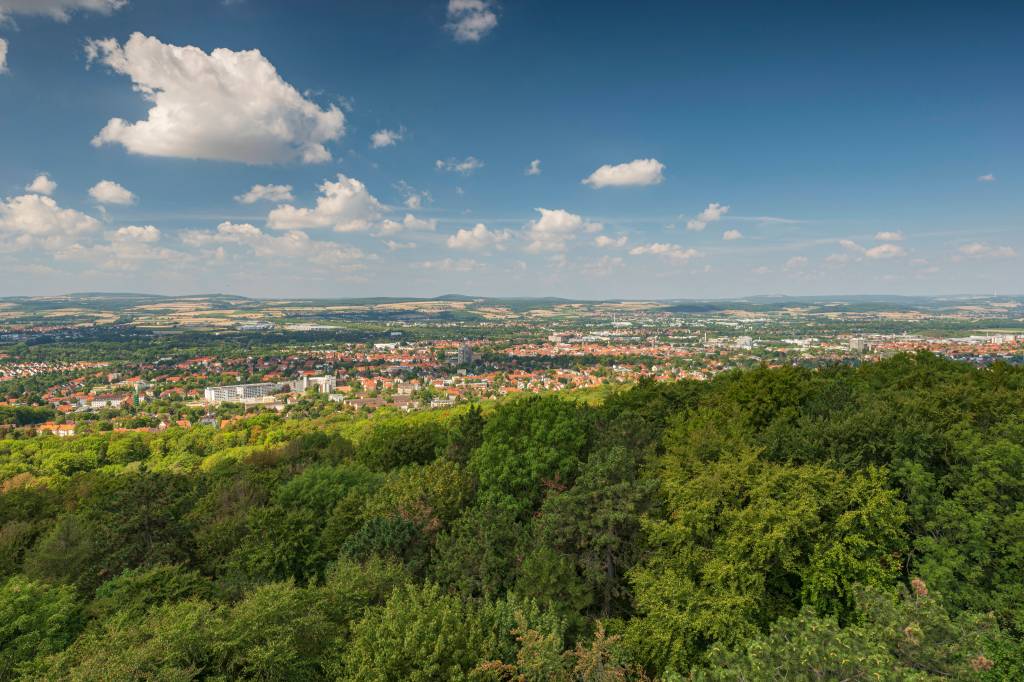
592 151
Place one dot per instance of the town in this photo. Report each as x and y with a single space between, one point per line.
409 363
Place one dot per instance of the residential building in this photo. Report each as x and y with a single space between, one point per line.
240 393
324 384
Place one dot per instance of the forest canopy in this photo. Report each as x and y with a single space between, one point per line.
773 524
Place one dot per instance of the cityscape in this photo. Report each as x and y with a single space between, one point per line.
511 341
419 359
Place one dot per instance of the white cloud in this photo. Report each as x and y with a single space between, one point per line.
291 245
981 250
478 238
838 258
109 192
409 223
882 251
227 233
58 9
127 249
553 229
345 205
3 56
887 250
712 213
397 246
41 185
795 263
606 242
274 193
223 105
533 168
634 173
386 138
466 166
889 236
470 20
414 198
732 235
673 252
133 233
451 265
38 215
988 177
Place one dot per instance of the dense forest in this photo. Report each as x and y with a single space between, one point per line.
773 524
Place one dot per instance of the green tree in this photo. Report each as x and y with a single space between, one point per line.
596 524
392 443
530 445
910 638
465 434
139 589
749 541
36 620
477 555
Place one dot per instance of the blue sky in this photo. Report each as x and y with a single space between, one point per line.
684 149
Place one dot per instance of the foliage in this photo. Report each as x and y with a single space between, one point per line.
35 620
910 638
774 523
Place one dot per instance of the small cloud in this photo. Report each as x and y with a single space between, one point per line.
534 167
386 137
981 250
470 20
795 263
883 251
345 205
605 242
636 173
414 198
397 246
451 265
712 213
409 223
275 193
42 185
59 9
553 230
732 235
3 55
673 252
478 238
988 177
466 166
889 236
109 192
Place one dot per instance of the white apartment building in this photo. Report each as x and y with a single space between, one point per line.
324 384
240 393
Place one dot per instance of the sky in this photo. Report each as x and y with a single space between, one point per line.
643 150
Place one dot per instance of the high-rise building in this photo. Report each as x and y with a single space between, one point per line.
465 356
